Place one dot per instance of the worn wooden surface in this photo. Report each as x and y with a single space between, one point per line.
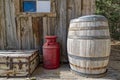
2 26
23 14
11 36
18 62
23 31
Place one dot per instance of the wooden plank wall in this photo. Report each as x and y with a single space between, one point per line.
8 36
28 32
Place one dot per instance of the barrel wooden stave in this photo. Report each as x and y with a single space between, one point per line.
89 39
83 31
89 48
93 33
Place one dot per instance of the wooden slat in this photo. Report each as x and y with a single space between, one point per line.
88 7
44 28
10 25
2 25
53 6
26 33
18 30
37 26
17 6
74 9
52 20
93 6
61 29
22 14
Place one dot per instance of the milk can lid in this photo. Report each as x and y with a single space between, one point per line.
50 37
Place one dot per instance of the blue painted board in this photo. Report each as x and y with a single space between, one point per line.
29 6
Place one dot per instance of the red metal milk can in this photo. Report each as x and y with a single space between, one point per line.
51 53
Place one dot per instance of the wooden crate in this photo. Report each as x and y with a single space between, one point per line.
18 63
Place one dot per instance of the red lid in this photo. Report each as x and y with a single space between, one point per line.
50 37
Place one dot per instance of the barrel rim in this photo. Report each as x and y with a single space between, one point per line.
89 28
88 68
89 18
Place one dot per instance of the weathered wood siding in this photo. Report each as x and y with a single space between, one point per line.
27 32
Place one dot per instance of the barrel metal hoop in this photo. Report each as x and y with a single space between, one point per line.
88 68
90 75
88 37
88 28
88 21
89 58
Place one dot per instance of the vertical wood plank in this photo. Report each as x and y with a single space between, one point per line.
52 21
17 6
74 9
53 6
26 33
18 30
88 7
31 37
37 26
40 35
2 25
51 24
10 25
62 28
93 6
44 28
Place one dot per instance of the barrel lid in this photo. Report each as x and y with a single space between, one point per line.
89 18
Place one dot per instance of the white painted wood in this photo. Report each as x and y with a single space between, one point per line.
43 6
91 47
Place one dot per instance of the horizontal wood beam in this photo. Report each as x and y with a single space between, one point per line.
33 14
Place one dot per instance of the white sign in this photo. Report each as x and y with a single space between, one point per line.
43 6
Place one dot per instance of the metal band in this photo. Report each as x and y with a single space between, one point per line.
88 68
90 75
13 63
88 37
88 21
88 28
89 18
89 58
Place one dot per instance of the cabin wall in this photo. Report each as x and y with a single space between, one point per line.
28 32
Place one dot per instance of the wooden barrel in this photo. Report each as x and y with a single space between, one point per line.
88 45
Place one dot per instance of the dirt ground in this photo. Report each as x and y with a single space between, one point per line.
115 55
